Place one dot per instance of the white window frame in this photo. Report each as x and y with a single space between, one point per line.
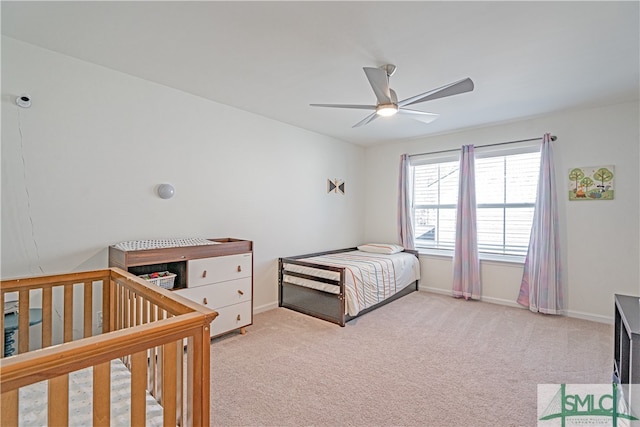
498 150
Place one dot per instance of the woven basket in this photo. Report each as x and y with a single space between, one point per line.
164 280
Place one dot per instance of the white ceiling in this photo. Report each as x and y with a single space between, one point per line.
275 58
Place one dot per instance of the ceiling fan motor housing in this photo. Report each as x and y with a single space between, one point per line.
389 69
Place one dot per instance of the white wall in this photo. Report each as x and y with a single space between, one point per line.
601 242
80 166
79 169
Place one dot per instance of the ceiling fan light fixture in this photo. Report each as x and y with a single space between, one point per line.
387 103
386 110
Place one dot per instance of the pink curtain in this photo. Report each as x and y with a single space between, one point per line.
405 220
541 289
466 264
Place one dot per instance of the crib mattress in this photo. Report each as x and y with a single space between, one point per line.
33 400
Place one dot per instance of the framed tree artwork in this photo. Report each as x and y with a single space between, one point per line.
591 183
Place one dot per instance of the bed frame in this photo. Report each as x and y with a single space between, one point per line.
323 305
161 337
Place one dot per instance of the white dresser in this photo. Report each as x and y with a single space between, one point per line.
223 284
219 276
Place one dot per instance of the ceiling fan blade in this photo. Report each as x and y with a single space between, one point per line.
423 116
359 107
369 118
462 86
380 83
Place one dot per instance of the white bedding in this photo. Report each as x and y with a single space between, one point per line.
369 277
33 400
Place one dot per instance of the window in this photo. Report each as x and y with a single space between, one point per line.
435 195
506 185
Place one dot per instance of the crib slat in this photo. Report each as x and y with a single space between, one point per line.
131 308
129 321
133 299
139 310
160 354
154 313
102 394
153 381
199 374
68 313
108 305
138 390
159 372
10 408
23 321
47 321
145 310
180 420
122 308
118 311
169 383
58 407
88 309
115 310
191 383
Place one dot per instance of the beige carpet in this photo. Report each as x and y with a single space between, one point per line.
424 360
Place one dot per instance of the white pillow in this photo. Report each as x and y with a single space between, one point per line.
381 248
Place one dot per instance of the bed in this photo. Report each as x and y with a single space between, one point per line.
113 350
340 285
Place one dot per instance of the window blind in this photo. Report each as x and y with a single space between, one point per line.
506 186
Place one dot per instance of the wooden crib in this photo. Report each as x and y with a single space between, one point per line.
161 338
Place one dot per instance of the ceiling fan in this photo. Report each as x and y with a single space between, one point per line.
388 104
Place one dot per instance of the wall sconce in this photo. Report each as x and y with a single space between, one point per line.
166 191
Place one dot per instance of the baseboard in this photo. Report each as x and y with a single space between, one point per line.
592 317
570 313
491 300
265 307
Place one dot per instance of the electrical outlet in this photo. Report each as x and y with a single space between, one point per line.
99 316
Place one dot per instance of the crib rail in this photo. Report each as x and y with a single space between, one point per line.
143 325
42 287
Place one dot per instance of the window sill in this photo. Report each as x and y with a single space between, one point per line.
507 259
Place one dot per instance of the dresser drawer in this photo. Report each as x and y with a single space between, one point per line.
221 294
218 269
231 317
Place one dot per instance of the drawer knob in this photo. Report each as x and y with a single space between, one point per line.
239 269
238 318
204 301
240 292
204 273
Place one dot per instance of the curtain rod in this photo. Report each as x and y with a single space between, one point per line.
553 138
